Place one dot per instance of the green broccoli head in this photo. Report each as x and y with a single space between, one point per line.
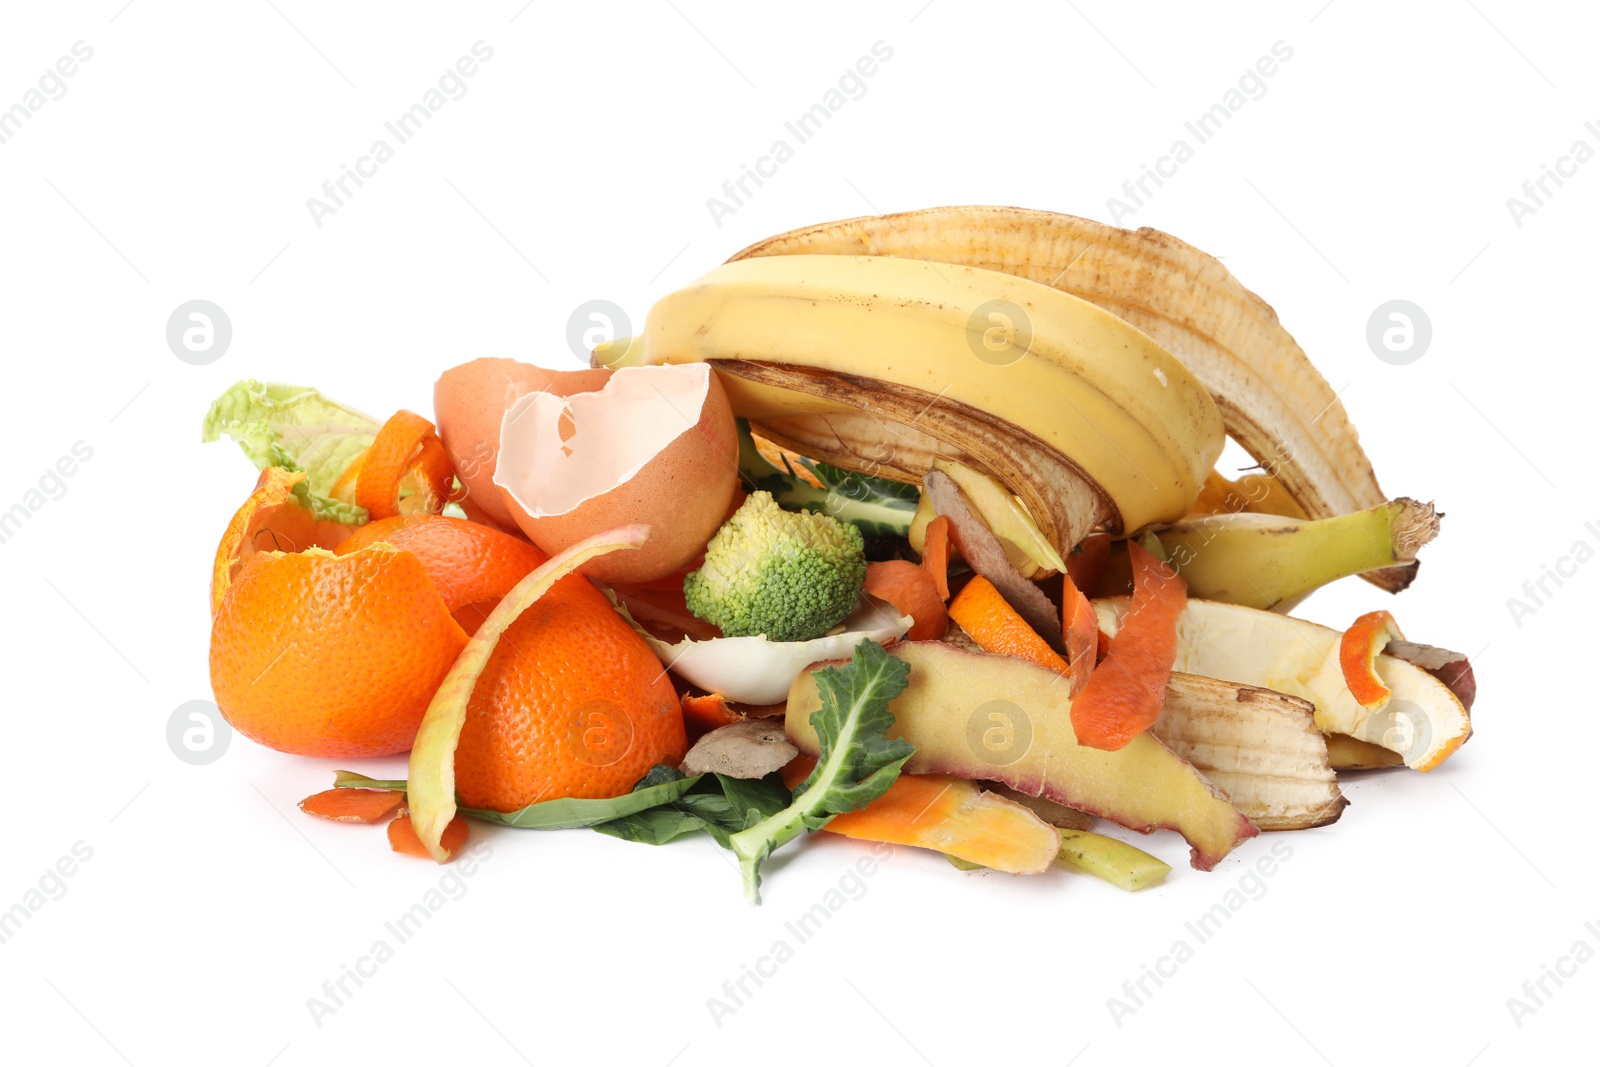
788 575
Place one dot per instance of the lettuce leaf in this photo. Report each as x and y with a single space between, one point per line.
857 761
719 805
664 804
296 428
660 787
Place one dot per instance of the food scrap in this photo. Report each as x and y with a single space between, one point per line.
833 546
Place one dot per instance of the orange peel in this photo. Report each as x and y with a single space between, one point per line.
406 444
431 779
271 519
344 486
468 563
1358 657
316 654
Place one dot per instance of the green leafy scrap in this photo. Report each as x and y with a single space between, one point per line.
716 804
298 429
877 507
857 759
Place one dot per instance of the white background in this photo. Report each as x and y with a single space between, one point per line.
577 166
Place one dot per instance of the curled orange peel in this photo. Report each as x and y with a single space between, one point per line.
406 445
344 486
1358 657
431 778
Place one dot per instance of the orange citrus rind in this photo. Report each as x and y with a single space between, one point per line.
1358 657
272 518
469 563
431 779
317 654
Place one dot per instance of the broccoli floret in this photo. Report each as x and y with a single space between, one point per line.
788 575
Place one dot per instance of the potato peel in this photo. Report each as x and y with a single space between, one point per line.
432 774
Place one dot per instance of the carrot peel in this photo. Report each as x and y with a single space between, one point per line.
353 805
1124 695
702 714
950 815
936 554
404 840
912 591
997 627
1081 633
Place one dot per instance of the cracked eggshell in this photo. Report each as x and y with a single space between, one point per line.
654 445
469 403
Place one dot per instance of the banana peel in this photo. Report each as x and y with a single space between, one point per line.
1259 747
1273 562
883 364
1273 400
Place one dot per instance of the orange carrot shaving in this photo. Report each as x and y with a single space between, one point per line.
1125 694
404 840
912 591
1087 562
936 554
1081 633
702 714
980 610
950 815
1358 657
786 458
353 805
405 445
664 607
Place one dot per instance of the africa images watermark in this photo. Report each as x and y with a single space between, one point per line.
1537 192
451 885
1537 992
51 485
51 885
1252 85
52 85
852 885
851 85
1251 886
410 122
1536 592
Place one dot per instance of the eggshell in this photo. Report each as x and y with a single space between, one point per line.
469 403
576 465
